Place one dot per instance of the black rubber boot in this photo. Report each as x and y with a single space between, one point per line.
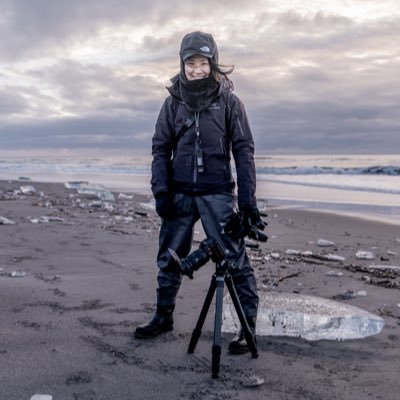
161 322
239 345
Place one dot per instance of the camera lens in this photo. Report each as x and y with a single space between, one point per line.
195 260
208 248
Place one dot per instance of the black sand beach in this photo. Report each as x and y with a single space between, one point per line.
88 279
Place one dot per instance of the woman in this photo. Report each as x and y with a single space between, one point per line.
200 125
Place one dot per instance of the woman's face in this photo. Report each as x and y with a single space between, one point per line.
197 67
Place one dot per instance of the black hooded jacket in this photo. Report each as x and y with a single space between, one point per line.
224 130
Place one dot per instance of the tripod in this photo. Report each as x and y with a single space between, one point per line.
218 279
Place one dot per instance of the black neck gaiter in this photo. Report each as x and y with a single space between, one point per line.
198 94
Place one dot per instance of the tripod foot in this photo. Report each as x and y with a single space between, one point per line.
216 359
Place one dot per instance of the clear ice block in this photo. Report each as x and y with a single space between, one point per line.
97 192
41 397
309 317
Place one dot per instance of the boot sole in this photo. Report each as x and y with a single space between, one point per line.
143 335
238 350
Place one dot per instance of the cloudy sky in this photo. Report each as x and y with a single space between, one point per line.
316 76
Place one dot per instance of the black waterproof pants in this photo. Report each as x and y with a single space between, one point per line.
177 233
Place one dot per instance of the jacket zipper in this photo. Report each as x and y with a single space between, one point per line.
196 146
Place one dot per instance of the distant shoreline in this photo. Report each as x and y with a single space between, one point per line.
137 185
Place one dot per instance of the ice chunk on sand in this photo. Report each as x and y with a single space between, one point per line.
334 273
6 221
18 274
309 317
148 206
333 257
292 252
27 189
275 256
324 243
46 219
125 196
97 192
365 255
41 397
75 184
393 268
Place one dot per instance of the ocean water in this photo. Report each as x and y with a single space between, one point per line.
363 185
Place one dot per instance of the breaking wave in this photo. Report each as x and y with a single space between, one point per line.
390 170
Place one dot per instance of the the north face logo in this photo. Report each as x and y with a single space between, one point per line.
214 106
205 49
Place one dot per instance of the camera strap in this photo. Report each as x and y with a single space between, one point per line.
188 123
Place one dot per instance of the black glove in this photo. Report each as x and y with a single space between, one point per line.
164 205
246 223
252 223
251 217
234 227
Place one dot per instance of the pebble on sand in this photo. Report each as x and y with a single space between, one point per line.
253 381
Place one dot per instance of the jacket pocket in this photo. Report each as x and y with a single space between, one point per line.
182 167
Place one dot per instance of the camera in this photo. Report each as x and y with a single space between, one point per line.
209 248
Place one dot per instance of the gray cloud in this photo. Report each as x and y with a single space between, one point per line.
91 88
90 132
46 25
11 103
34 27
315 81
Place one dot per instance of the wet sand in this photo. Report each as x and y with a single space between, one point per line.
89 280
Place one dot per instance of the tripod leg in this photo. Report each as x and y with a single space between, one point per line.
203 314
216 349
240 313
